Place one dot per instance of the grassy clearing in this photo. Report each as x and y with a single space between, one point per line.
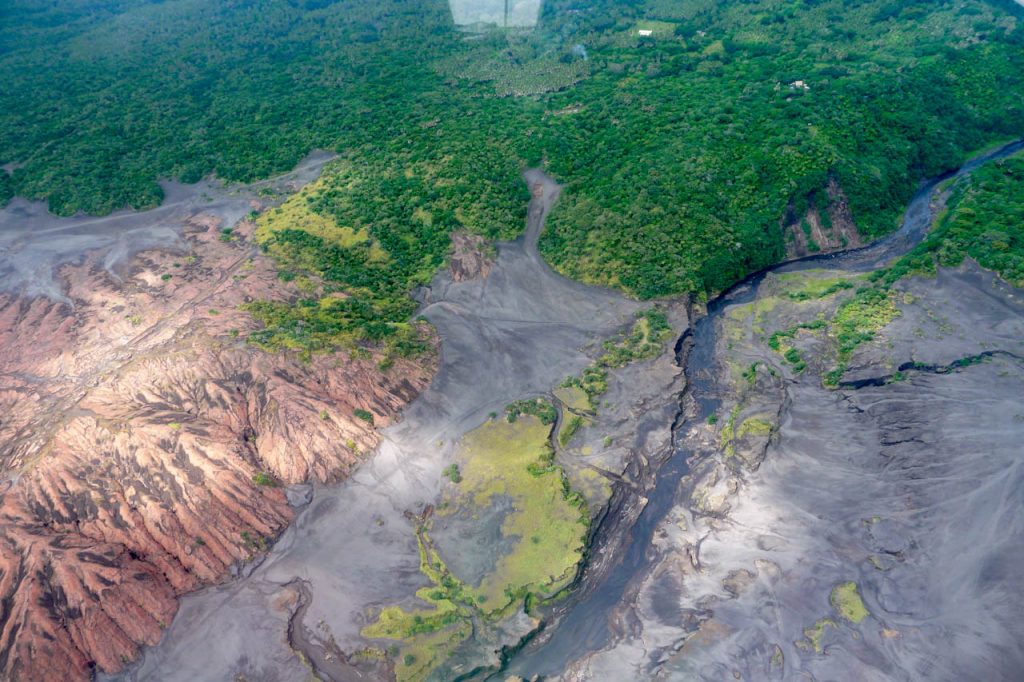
574 398
296 214
847 602
801 287
549 522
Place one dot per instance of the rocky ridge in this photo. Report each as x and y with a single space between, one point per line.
147 447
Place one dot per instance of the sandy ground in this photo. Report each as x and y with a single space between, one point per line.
911 489
35 243
514 334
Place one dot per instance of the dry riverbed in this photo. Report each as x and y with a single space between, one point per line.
441 549
865 531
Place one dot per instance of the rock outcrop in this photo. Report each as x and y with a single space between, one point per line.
470 257
146 446
821 223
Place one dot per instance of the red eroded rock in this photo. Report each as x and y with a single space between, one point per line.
132 425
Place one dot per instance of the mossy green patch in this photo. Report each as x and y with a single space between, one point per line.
729 431
548 524
569 429
395 622
575 406
857 321
815 634
548 521
801 286
427 635
574 398
755 426
590 482
422 655
847 602
644 341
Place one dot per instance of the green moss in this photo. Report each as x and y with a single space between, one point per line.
394 622
729 431
755 426
815 634
572 425
513 460
423 654
804 287
645 340
859 319
547 525
847 602
262 478
426 635
574 398
750 374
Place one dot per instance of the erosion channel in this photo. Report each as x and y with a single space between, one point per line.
564 501
478 502
859 532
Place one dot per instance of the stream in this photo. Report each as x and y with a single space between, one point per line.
582 626
516 333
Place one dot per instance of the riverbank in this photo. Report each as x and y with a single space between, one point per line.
806 536
357 548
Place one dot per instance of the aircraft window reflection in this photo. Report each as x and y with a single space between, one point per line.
502 13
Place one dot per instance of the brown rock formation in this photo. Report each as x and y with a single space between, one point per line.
825 225
469 258
133 428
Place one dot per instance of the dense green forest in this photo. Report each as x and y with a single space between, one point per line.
984 221
680 150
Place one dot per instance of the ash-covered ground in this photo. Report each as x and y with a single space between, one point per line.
871 532
515 333
35 243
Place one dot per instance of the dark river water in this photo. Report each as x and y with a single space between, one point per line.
584 627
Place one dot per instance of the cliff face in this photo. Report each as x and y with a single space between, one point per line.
145 446
822 223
